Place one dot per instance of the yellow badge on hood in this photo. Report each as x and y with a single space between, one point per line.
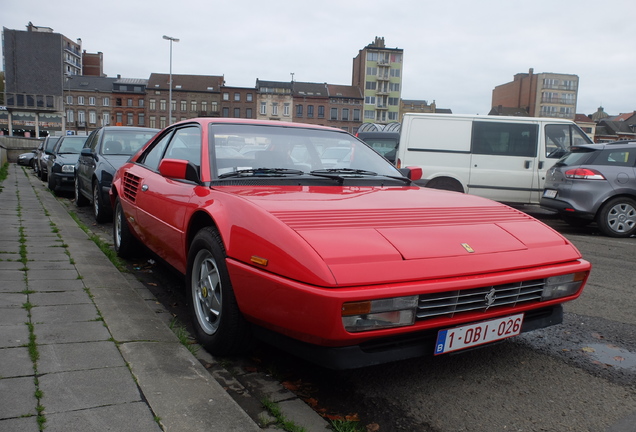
468 248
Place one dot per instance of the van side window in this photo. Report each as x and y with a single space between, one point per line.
505 139
559 138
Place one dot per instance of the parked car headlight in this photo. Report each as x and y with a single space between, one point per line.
379 314
563 286
68 168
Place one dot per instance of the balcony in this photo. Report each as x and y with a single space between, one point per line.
383 77
32 102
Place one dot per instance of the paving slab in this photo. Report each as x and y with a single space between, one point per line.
70 332
12 287
75 390
42 285
59 298
15 362
12 299
13 315
17 397
12 275
64 313
130 417
27 424
78 356
51 275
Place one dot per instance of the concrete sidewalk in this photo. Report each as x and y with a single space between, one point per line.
80 347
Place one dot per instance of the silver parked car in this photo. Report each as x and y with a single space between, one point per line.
595 183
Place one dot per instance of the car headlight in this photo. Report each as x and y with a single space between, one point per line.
379 314
562 286
68 168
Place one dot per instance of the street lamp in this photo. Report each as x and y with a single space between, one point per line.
171 39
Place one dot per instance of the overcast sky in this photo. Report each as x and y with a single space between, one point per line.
455 51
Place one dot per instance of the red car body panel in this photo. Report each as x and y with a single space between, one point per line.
326 245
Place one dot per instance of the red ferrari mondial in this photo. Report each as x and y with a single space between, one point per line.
307 238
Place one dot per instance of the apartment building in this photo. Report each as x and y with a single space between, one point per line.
346 104
545 94
377 71
238 102
192 96
274 100
87 103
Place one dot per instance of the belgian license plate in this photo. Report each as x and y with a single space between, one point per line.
477 334
549 193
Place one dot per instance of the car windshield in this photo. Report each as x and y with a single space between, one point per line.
71 145
295 150
125 142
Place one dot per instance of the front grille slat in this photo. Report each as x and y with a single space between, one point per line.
448 304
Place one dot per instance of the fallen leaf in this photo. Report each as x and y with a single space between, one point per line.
311 402
152 284
333 417
588 349
619 358
290 386
373 427
598 336
352 417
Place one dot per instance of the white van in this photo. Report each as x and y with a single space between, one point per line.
501 158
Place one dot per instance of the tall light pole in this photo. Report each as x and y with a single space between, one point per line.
171 39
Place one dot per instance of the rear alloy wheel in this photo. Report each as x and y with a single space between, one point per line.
80 200
124 242
617 218
218 323
100 212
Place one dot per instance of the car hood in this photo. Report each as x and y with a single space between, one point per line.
375 235
66 158
115 161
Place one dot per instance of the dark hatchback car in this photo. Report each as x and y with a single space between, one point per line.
105 150
61 162
27 159
595 183
42 156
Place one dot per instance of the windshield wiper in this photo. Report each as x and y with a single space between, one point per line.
346 172
262 172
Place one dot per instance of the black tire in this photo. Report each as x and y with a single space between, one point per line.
51 183
444 183
218 323
36 169
43 175
80 200
125 244
100 211
576 222
617 217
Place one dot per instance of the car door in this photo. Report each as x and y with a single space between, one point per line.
504 165
86 163
162 203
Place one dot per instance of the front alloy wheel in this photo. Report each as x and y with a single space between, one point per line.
218 323
617 218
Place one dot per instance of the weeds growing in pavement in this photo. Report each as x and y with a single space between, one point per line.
184 337
281 420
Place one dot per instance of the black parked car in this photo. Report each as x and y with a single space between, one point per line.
27 159
595 183
105 150
61 162
42 155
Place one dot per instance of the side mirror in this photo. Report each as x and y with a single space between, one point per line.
179 169
86 151
412 173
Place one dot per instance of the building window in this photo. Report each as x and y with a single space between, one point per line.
299 110
356 115
372 56
237 112
215 106
130 102
310 111
237 97
142 119
321 111
395 73
372 71
394 87
249 97
81 117
193 106
80 100
394 101
226 96
70 116
118 101
105 119
69 100
152 105
129 119
333 114
345 114
140 102
91 101
393 116
248 113
369 100
173 105
118 119
371 85
369 114
162 122
204 106
162 105
275 108
152 122
263 108
92 117
184 105
105 101
226 112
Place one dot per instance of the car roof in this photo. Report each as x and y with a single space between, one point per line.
240 121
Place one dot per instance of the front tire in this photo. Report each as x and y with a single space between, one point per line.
100 212
80 200
617 218
51 182
124 242
218 323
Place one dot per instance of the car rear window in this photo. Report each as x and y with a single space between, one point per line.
577 156
616 157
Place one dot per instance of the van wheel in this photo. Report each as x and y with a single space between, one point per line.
445 183
617 218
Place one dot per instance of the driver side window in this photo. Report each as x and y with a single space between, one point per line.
153 156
